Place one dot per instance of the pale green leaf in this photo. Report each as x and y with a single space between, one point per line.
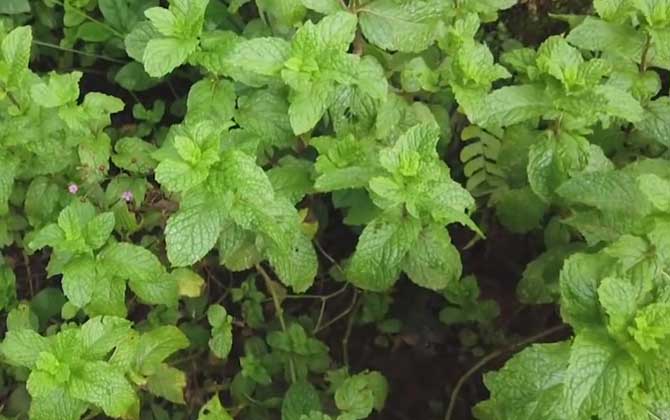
168 382
599 375
530 385
157 345
192 232
162 55
325 7
213 410
23 347
105 386
79 277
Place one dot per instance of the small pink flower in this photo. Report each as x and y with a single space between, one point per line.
127 196
73 188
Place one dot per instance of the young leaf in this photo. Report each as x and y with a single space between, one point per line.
300 399
222 336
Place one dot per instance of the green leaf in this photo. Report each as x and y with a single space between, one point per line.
213 410
433 262
7 287
315 415
520 210
325 7
599 375
613 10
163 20
307 107
133 77
16 50
292 178
191 233
265 114
222 331
211 99
117 13
13 7
145 274
358 395
651 326
57 404
94 32
60 89
286 12
253 368
162 55
137 40
621 104
79 277
381 249
134 155
655 122
23 347
553 161
100 335
294 260
513 104
579 280
99 229
7 175
105 386
530 384
157 345
237 248
598 35
261 56
406 26
540 281
169 383
608 191
618 297
300 399
256 208
42 200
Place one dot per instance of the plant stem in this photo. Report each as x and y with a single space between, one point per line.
278 311
491 356
29 274
347 334
645 54
341 315
71 50
92 19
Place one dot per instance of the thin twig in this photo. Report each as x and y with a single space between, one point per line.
347 334
92 19
341 315
12 99
491 356
278 311
29 274
645 53
328 256
85 53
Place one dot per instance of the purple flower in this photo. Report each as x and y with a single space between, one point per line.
73 188
127 196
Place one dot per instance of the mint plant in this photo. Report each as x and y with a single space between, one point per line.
334 209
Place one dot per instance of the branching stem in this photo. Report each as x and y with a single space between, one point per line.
491 356
278 311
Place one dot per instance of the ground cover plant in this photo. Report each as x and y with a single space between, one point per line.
334 209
